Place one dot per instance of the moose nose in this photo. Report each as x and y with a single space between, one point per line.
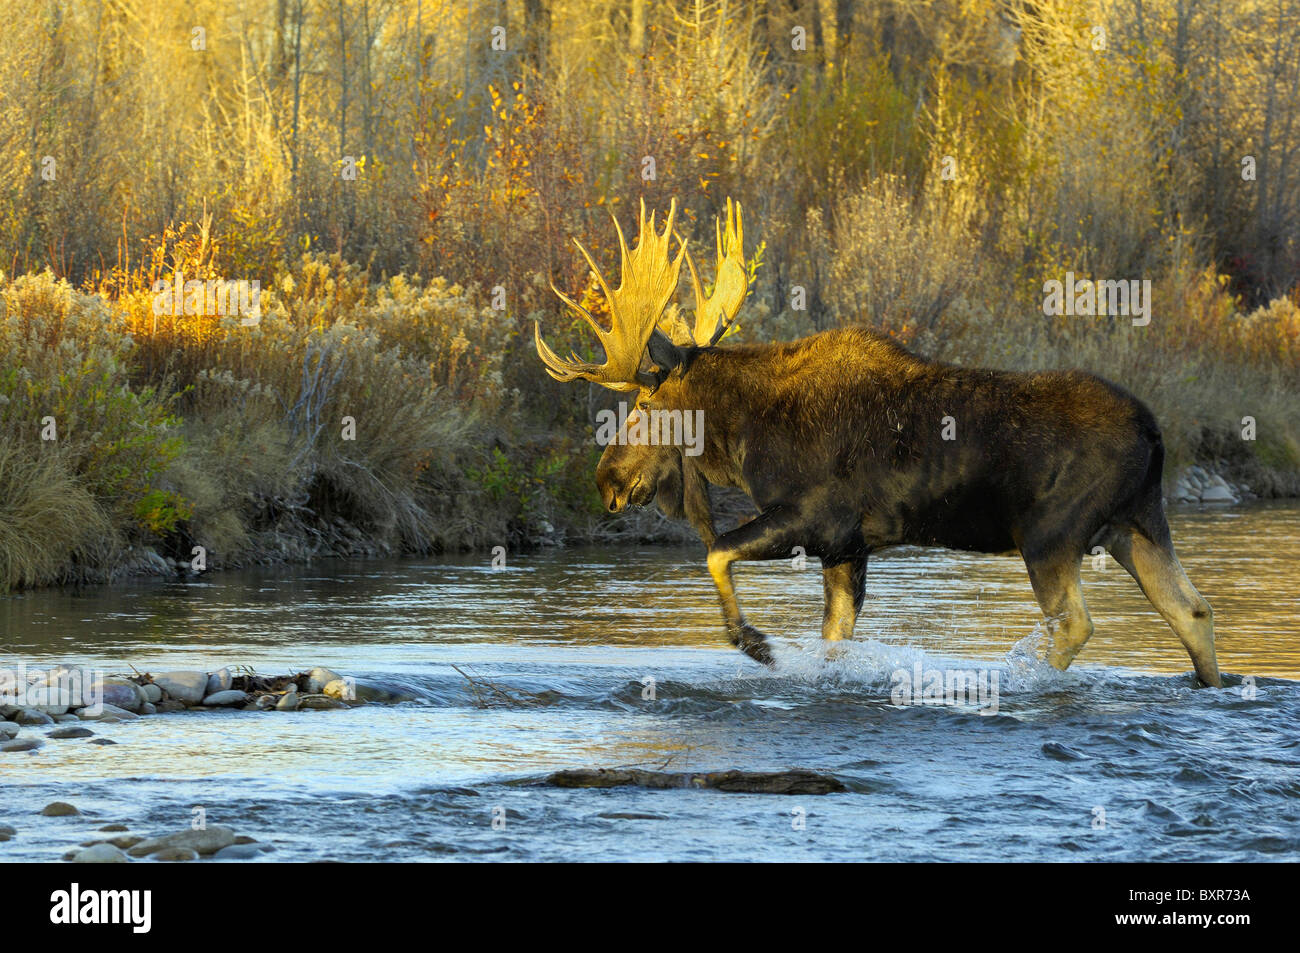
613 503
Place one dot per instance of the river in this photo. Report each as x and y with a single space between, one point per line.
594 657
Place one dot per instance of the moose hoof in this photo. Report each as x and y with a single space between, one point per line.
753 643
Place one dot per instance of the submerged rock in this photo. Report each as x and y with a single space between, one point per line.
102 741
59 809
176 853
207 841
319 702
22 744
60 733
101 854
797 781
239 852
106 713
9 730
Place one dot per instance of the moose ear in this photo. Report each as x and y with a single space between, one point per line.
664 354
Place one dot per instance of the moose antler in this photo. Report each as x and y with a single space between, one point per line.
649 279
714 315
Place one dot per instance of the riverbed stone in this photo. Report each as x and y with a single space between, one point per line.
319 703
9 729
59 809
107 713
1218 492
207 841
223 698
70 732
22 744
288 702
101 854
188 687
68 717
318 678
218 682
152 693
102 741
114 828
148 709
33 716
6 832
175 853
168 705
239 852
118 692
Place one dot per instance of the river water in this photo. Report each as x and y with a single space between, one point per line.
615 658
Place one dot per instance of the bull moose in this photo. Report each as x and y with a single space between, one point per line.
848 443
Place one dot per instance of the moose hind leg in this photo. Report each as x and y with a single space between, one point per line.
770 535
1158 571
844 584
1056 586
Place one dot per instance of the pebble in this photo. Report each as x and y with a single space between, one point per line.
188 687
218 682
59 809
70 733
226 697
238 852
101 854
22 744
318 678
266 701
176 853
207 841
287 702
106 712
320 702
118 692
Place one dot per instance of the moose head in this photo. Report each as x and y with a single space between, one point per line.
647 341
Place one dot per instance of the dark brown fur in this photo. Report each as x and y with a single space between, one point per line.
839 440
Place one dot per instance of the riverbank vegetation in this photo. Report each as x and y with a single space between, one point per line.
403 179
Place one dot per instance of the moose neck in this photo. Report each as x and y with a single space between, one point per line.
718 382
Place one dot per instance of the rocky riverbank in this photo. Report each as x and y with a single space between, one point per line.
59 704
121 846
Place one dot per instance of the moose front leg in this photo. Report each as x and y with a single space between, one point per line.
844 584
771 535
